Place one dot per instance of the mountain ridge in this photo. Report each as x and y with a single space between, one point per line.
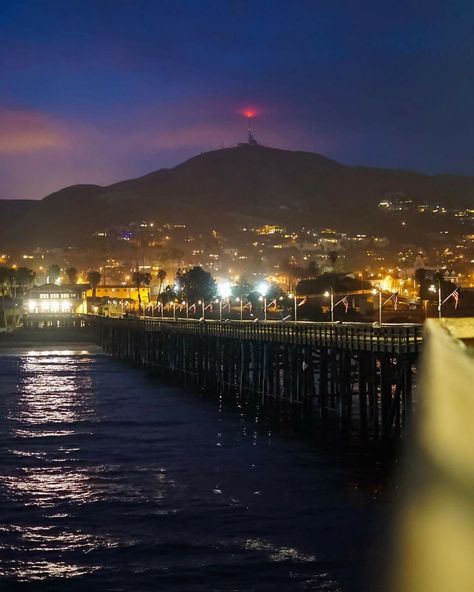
218 187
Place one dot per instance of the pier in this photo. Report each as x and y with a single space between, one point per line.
358 377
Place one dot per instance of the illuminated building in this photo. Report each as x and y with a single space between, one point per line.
53 303
120 292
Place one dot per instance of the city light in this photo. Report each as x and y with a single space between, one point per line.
262 288
224 289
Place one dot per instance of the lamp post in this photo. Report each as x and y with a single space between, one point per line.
432 288
262 288
330 294
295 304
203 307
224 290
241 301
374 292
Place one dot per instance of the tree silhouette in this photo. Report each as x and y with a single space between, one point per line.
196 284
147 282
140 279
160 276
71 273
242 289
168 295
292 272
311 270
24 277
53 272
6 279
423 283
339 282
333 256
93 277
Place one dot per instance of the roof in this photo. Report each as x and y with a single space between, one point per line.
55 288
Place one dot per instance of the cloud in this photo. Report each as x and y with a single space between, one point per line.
24 131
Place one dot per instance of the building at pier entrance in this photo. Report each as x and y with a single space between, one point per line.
53 304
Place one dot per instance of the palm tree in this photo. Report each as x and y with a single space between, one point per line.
161 276
138 279
93 277
147 282
422 280
290 269
71 273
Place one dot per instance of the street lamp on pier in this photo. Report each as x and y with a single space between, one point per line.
432 288
330 294
241 301
375 291
262 289
292 296
224 290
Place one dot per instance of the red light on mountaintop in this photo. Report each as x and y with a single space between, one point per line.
250 112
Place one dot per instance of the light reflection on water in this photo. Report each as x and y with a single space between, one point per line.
120 484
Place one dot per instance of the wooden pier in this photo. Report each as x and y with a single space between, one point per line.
355 375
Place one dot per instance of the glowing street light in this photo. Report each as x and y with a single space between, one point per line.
293 296
330 294
224 289
262 289
379 292
432 288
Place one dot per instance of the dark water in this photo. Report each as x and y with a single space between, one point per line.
110 481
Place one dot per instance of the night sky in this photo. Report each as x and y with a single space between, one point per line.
95 91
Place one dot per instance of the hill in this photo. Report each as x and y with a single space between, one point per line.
229 187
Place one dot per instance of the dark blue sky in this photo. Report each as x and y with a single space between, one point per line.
101 90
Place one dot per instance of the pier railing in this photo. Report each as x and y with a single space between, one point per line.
434 535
